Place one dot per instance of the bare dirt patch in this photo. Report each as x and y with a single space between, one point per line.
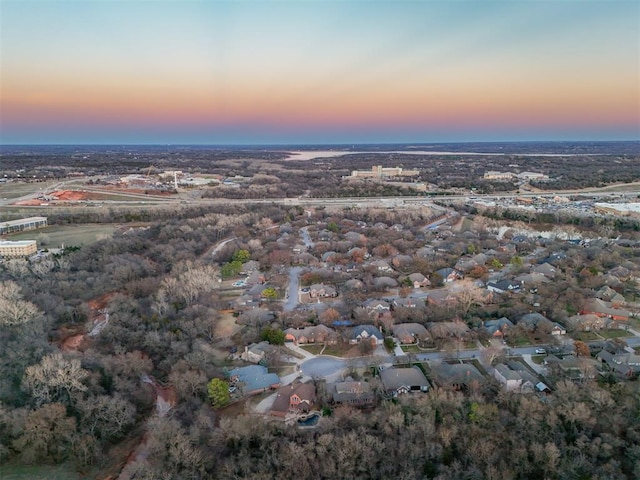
227 325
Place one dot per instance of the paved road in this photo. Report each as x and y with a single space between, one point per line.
292 295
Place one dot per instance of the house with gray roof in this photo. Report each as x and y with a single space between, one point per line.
498 328
366 333
397 381
253 379
458 376
349 392
513 380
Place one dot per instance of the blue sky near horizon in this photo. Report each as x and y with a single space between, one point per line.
249 72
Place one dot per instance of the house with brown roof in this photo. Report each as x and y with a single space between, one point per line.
320 290
294 398
315 334
604 309
410 333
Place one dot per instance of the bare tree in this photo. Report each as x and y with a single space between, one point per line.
55 378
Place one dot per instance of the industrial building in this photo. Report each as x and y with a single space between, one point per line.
30 223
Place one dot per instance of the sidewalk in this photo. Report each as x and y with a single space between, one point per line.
301 351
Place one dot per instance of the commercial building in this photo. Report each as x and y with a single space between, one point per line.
30 223
22 248
379 171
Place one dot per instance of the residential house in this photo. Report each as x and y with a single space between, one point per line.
419 280
383 283
498 328
457 376
586 323
546 269
329 256
620 272
608 294
349 392
408 302
377 306
449 275
256 352
456 329
532 279
320 290
253 379
315 334
382 266
512 380
426 252
410 333
250 267
576 369
397 381
558 329
504 286
255 278
441 296
354 284
366 333
625 364
294 398
299 248
402 262
536 321
604 309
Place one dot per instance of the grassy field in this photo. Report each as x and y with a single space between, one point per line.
56 235
15 190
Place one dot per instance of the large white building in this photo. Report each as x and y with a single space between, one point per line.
379 171
21 248
30 223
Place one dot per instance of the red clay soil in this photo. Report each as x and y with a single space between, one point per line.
99 303
70 195
72 343
30 203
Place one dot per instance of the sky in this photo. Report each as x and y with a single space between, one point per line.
305 71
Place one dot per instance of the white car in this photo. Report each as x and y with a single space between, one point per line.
540 351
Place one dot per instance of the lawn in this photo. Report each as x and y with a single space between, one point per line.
614 333
314 349
519 342
56 235
539 359
585 336
411 349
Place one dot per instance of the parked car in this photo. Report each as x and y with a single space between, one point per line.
540 351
